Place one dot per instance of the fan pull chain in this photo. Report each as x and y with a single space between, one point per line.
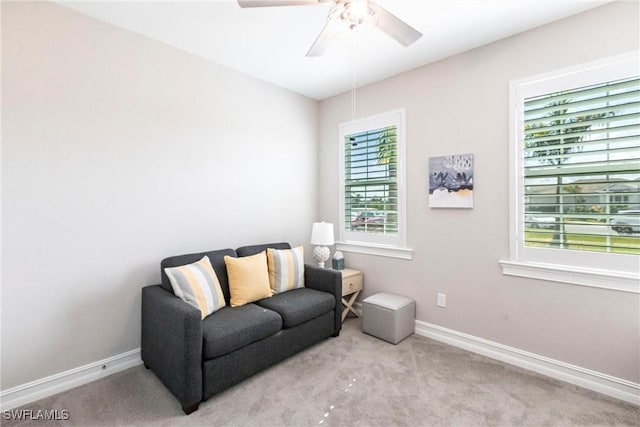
353 76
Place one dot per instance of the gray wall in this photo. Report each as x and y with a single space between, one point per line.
116 152
460 105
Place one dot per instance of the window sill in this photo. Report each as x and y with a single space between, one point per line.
379 250
606 279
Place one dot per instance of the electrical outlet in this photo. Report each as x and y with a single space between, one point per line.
442 300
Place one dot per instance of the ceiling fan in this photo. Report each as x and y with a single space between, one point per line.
348 15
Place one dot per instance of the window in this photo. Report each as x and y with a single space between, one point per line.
576 175
371 190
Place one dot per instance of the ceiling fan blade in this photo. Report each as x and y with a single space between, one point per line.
331 28
268 3
395 27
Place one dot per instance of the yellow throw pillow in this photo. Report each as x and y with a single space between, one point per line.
248 278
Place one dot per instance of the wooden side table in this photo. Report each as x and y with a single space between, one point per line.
351 287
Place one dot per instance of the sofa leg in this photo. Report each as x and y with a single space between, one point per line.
190 408
146 366
336 334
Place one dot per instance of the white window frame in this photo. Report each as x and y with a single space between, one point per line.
394 246
604 270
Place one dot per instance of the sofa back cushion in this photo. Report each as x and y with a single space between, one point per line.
256 249
217 262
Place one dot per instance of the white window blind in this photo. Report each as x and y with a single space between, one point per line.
581 160
371 181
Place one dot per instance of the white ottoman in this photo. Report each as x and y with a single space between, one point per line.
389 317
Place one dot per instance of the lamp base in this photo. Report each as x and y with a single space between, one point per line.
321 254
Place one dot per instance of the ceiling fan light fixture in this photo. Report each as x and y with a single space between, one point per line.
355 14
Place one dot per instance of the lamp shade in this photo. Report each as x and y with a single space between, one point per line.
322 234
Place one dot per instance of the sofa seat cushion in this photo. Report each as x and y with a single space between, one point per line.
299 305
231 328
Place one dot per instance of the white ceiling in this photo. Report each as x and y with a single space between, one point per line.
270 43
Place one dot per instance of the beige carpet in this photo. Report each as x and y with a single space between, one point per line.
352 380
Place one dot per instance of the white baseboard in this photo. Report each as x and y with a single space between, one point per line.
592 380
44 387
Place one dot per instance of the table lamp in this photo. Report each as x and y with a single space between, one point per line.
321 236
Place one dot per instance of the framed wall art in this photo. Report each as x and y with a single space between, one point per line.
451 181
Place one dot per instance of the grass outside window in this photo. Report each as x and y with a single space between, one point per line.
612 243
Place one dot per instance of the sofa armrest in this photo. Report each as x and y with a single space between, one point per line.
326 280
172 343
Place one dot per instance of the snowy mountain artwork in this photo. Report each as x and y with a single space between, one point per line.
451 181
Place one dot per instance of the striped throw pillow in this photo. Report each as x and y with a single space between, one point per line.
286 269
198 285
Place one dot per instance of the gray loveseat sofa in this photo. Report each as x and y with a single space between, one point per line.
197 358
